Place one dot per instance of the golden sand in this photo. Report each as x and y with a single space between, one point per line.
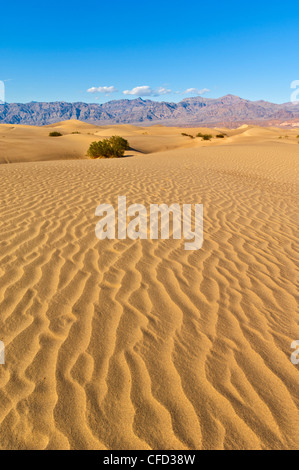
140 344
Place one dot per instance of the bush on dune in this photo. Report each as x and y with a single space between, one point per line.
207 137
204 136
55 134
114 147
188 135
100 149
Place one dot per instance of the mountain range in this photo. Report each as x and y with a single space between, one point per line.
228 111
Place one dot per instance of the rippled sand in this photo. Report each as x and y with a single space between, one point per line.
141 344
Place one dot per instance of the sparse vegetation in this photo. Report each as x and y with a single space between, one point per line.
75 132
55 134
119 142
220 136
204 136
114 147
188 135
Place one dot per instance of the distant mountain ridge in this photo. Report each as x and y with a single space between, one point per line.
229 111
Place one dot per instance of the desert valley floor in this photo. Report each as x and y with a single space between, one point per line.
122 344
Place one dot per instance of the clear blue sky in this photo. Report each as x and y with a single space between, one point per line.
59 50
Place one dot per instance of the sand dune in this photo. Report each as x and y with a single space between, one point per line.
141 344
20 143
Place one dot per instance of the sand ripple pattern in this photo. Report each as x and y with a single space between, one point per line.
141 344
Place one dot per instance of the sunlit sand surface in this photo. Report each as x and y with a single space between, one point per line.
121 344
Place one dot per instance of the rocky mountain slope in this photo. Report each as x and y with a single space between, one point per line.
228 110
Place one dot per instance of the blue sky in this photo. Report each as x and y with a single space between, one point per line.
58 51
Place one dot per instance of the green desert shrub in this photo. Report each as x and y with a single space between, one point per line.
187 135
204 136
108 148
100 149
220 136
119 142
55 134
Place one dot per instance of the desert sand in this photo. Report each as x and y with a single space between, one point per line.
122 344
19 143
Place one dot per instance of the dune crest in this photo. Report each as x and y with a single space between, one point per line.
141 344
19 143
